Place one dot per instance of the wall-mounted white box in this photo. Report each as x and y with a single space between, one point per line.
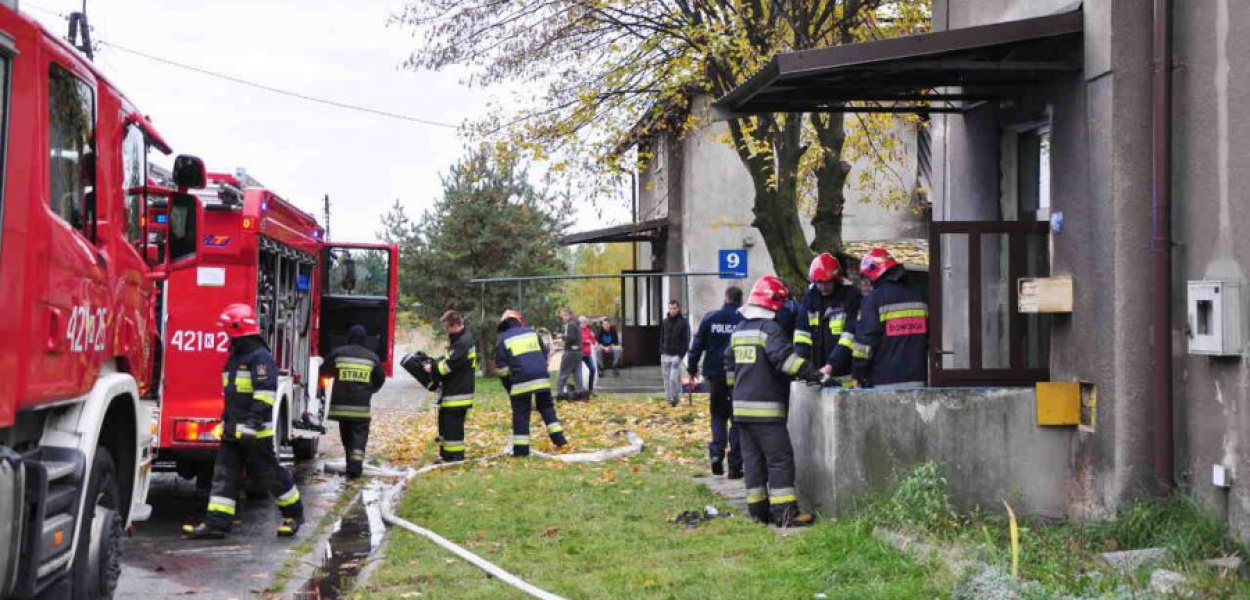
1214 309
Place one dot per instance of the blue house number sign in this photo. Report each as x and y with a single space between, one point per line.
733 264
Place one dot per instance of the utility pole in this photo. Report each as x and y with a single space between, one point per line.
78 26
327 216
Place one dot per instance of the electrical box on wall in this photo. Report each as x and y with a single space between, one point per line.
1214 314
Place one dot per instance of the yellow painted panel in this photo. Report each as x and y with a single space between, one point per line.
1058 403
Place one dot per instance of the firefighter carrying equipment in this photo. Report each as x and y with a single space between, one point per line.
457 372
825 331
764 364
357 376
891 337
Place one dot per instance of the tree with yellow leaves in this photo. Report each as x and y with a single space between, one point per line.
593 69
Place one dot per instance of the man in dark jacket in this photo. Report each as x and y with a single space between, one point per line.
609 348
571 360
825 331
458 371
674 341
892 336
764 364
521 361
713 337
250 386
357 375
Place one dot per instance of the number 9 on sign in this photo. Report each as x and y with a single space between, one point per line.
733 264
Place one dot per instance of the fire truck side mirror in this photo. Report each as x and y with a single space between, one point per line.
189 172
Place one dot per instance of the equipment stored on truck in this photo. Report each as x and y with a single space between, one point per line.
256 248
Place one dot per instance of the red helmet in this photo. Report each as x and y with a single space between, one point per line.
876 263
824 268
512 314
769 292
239 320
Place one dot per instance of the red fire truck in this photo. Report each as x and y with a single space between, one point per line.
80 267
255 247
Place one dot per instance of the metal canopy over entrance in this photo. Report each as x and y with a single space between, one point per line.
943 71
643 231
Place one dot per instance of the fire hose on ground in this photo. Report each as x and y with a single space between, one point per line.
387 499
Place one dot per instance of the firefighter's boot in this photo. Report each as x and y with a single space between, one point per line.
789 515
718 467
735 472
759 512
290 526
203 531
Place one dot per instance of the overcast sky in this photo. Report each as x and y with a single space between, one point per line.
342 51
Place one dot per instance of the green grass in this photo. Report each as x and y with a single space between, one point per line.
1061 557
602 531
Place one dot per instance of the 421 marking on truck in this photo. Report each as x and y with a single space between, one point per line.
200 341
86 328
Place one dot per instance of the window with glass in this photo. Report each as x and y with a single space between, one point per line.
358 272
134 166
71 134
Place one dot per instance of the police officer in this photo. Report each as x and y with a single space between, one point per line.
457 371
358 375
713 337
825 332
250 383
892 337
521 361
764 363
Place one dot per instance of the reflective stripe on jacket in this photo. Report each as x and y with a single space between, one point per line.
892 336
764 364
250 387
458 371
521 360
825 333
357 374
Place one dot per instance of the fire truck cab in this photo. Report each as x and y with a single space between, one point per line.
254 247
79 278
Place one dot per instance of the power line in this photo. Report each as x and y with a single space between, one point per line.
260 86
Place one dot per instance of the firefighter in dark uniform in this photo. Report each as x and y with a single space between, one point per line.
521 361
712 338
457 371
825 331
358 375
764 364
892 337
250 387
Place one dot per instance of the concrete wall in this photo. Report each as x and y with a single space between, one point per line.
1100 180
851 445
1211 176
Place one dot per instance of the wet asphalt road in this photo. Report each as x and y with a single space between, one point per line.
158 564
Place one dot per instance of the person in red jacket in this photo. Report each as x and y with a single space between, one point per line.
588 352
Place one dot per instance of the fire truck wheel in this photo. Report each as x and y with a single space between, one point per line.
97 565
305 448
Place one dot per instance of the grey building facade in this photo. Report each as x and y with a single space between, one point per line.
1056 145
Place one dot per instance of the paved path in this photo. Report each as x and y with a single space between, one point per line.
158 564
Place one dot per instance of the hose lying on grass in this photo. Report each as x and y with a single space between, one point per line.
390 494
